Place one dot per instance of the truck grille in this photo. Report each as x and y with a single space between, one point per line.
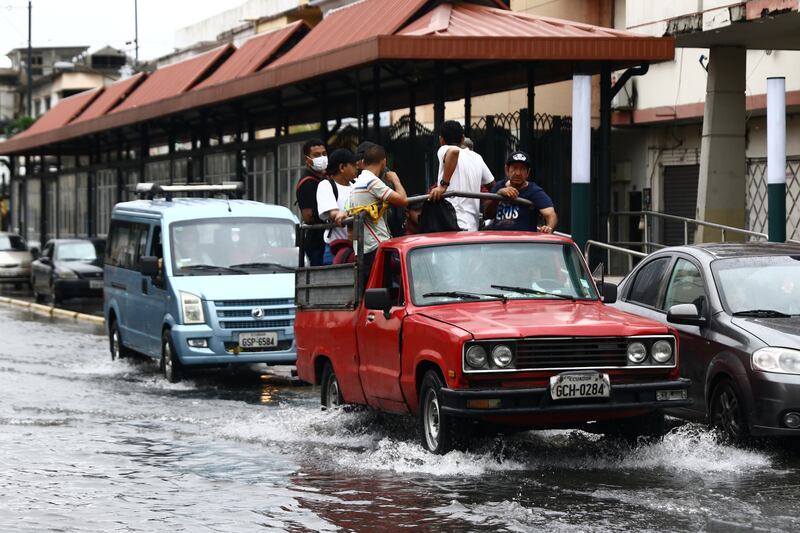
572 352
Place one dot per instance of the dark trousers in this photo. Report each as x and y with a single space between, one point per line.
315 256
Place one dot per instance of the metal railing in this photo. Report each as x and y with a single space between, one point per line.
646 215
611 248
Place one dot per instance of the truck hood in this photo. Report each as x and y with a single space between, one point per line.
248 287
537 318
783 332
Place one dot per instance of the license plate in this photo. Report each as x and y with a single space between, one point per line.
258 339
580 385
96 284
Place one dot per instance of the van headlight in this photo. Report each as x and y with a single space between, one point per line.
192 308
773 359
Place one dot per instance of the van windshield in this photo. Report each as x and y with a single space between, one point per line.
223 246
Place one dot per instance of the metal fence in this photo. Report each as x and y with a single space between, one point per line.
756 196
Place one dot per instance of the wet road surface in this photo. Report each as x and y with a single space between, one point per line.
87 444
90 306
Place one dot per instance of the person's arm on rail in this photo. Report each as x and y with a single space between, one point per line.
450 164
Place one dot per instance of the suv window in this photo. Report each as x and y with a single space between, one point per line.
685 286
648 281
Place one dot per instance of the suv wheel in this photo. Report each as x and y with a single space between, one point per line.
727 414
170 364
331 394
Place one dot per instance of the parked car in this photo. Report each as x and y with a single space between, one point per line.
737 309
201 281
491 329
15 259
67 268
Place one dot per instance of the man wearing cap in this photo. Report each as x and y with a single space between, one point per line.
332 194
509 216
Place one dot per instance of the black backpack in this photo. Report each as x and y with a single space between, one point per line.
438 216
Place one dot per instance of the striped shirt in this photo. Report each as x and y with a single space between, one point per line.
368 189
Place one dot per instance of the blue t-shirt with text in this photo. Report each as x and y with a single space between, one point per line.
511 217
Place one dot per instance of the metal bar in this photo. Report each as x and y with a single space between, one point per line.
723 234
610 247
685 232
666 216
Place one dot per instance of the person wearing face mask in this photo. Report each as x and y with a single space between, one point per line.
316 159
372 195
332 194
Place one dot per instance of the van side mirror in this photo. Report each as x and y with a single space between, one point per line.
150 266
378 300
686 314
609 292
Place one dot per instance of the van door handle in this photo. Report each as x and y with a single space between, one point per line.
370 318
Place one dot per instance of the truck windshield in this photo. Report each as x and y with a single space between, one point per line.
759 286
222 246
518 270
12 243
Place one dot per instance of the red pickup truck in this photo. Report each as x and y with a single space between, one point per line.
500 329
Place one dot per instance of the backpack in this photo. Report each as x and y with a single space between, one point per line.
438 216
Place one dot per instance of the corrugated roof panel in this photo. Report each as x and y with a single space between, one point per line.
174 79
62 113
253 54
351 24
470 20
112 96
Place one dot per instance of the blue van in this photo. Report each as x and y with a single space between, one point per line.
200 281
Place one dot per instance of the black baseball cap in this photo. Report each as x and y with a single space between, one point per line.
341 156
519 157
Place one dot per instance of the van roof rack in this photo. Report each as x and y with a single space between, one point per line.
234 189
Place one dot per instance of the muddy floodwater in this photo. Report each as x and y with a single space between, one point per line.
87 444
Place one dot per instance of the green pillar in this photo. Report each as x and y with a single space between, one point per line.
580 213
776 212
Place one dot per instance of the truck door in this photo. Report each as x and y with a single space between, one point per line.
379 339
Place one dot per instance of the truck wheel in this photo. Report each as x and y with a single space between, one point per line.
170 364
437 430
118 351
727 414
331 395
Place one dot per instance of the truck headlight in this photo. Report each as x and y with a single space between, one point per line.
637 352
192 308
661 351
774 359
502 356
476 356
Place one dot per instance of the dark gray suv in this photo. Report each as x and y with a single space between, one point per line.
737 309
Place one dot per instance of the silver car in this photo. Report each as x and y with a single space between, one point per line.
15 259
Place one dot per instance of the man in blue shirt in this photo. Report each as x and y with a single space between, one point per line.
508 216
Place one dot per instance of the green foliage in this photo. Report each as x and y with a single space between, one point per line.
19 125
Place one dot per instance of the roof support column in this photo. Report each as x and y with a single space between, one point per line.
276 146
467 106
8 193
24 200
376 102
120 177
144 152
44 187
200 152
412 112
90 224
581 156
604 185
171 151
438 98
776 158
323 111
721 187
526 116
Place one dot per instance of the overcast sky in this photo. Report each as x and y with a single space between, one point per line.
96 23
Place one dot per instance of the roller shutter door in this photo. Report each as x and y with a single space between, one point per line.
680 198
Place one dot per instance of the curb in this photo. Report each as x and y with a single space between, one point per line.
55 312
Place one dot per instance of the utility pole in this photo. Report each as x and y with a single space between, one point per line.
136 29
30 53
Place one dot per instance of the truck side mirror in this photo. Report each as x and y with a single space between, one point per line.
609 292
686 314
150 266
378 300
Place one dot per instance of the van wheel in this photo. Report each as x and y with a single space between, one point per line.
118 351
331 394
170 364
439 432
727 414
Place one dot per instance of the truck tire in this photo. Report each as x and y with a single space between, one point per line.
727 414
170 364
331 394
438 431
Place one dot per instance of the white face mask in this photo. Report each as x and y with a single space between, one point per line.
320 163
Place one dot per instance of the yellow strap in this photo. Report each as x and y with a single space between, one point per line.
375 211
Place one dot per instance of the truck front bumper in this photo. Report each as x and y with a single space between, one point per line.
537 401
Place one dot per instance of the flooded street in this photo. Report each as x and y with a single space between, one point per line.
87 444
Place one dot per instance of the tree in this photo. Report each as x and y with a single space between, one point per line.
18 125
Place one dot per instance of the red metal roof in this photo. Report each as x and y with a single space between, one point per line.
174 79
254 54
112 96
352 24
470 20
62 113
